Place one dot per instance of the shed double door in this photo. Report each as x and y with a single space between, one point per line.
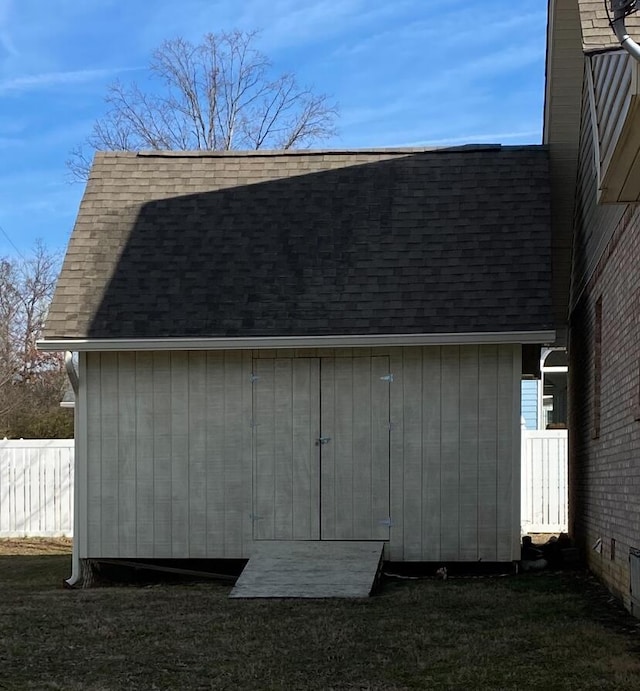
321 448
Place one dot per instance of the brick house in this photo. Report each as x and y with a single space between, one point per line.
592 127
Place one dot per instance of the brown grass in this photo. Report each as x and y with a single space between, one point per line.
35 545
543 631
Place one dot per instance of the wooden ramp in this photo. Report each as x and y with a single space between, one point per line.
311 569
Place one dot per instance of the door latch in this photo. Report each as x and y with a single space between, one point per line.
322 440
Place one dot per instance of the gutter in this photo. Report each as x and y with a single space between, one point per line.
271 342
76 569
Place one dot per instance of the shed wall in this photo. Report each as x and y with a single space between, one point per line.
168 443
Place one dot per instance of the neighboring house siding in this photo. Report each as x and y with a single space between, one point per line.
171 438
595 223
612 81
604 426
529 403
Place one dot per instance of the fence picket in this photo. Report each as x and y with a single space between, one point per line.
36 488
544 481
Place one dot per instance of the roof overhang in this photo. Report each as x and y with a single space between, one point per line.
561 132
620 181
258 342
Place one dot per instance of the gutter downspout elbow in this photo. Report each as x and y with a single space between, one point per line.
622 35
76 569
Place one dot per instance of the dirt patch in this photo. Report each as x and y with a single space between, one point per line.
35 546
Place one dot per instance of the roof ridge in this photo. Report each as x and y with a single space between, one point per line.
459 148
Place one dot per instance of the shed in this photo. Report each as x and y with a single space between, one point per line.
308 345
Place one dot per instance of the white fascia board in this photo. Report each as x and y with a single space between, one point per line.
270 342
546 117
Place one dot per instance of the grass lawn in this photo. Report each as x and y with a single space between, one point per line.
534 631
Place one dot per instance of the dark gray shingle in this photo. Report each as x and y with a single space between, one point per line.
309 243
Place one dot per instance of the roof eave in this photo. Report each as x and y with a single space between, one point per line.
270 342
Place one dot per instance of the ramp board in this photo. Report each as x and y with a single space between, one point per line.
310 569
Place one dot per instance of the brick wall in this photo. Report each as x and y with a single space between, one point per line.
604 467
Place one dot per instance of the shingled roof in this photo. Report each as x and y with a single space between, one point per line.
308 243
597 34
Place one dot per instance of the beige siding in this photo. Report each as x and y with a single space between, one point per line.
565 62
171 444
456 454
594 223
166 445
615 86
286 422
355 461
611 82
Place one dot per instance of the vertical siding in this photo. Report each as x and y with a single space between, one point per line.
166 454
160 466
488 454
413 440
469 470
429 402
286 455
197 435
456 454
450 454
144 477
355 463
169 439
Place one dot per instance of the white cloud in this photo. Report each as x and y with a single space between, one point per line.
47 80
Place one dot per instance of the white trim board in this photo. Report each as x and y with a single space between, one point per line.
257 342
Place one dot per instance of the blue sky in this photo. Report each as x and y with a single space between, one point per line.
405 72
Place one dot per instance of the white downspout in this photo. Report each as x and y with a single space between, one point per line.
620 30
76 571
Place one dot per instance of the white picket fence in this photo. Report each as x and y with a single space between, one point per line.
36 488
544 481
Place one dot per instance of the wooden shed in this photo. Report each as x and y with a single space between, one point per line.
304 346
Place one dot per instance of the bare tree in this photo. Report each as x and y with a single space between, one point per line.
31 382
217 95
